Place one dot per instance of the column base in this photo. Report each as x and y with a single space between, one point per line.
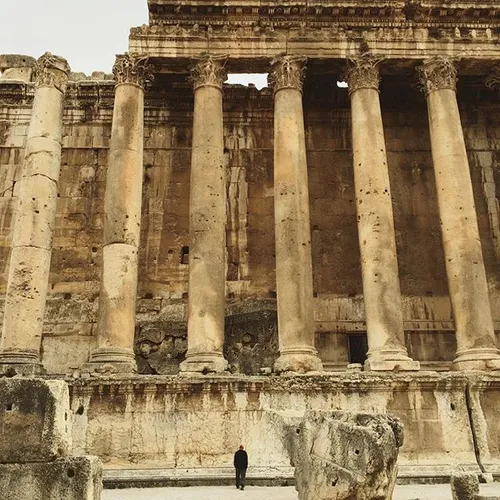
390 361
300 360
481 359
110 361
20 362
204 363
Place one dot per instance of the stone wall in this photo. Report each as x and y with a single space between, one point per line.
172 422
70 328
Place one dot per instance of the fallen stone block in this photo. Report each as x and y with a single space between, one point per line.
34 420
464 486
73 478
346 456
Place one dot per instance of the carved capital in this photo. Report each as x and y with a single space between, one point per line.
287 72
437 74
492 81
128 69
209 71
52 71
363 73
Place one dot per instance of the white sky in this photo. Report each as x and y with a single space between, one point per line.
88 33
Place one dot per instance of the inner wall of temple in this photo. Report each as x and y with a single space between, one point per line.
251 336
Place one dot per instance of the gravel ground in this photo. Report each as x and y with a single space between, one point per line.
407 492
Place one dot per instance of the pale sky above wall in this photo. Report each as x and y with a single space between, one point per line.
88 33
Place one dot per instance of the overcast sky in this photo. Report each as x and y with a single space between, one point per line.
88 33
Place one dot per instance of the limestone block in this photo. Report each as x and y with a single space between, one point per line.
349 456
73 478
34 421
464 486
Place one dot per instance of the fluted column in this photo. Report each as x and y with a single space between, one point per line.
34 222
468 288
294 283
207 222
122 209
377 242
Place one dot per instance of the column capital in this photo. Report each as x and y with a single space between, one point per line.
128 69
492 80
437 74
363 73
287 72
52 71
209 71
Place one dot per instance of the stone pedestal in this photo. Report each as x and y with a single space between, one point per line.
122 208
294 283
207 223
29 265
377 242
468 288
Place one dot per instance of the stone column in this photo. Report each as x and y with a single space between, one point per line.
377 242
294 283
468 288
122 209
207 222
34 222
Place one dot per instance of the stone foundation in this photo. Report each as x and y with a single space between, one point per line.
196 424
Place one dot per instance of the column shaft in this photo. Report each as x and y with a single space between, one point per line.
34 222
294 283
377 243
468 288
122 207
207 223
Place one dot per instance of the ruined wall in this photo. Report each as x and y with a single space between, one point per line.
248 119
166 422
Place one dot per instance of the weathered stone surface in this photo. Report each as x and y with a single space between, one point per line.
34 420
464 486
346 456
71 478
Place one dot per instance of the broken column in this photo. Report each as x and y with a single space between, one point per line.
294 280
377 240
35 445
468 288
122 223
346 456
207 222
29 265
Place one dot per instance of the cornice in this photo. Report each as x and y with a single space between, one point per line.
346 11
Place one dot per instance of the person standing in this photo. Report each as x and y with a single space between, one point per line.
241 464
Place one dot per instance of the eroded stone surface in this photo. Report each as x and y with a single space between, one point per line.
346 456
71 478
34 420
464 486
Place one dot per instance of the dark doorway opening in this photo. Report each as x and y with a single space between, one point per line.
358 348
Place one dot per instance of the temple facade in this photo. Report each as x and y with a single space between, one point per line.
334 234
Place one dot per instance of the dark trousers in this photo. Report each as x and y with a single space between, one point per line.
240 477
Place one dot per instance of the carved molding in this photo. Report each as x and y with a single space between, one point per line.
437 74
492 81
209 71
287 72
363 73
128 69
52 71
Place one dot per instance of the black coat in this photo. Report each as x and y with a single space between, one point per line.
240 459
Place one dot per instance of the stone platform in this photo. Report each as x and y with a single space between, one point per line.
190 427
